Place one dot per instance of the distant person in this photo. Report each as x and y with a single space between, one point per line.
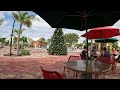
105 53
84 53
116 56
93 53
108 48
47 47
114 52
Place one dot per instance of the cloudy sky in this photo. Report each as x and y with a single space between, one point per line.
39 28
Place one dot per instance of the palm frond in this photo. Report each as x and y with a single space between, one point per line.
19 13
1 21
20 31
16 31
15 16
23 29
28 23
23 15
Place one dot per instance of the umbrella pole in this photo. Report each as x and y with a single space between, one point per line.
86 75
86 38
87 45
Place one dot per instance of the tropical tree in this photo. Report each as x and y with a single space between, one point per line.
1 21
115 45
71 38
24 19
43 39
2 40
14 41
85 43
15 31
48 41
78 45
11 37
24 42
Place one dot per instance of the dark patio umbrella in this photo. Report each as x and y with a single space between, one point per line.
80 20
110 40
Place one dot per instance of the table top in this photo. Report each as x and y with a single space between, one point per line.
91 67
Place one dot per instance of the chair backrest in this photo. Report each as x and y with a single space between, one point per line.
80 55
74 58
50 74
107 60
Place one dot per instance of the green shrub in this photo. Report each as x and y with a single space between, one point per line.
25 52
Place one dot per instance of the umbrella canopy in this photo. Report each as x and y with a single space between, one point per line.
79 20
102 32
112 40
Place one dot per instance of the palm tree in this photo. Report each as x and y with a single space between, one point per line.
1 21
24 41
11 38
14 41
24 19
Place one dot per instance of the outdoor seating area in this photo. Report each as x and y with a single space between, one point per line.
44 53
30 68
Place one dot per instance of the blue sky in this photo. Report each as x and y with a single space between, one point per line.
39 28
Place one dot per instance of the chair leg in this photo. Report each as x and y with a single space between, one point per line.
104 74
64 71
96 76
115 64
76 74
81 75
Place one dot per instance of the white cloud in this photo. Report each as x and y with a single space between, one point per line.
2 15
8 12
40 23
117 25
39 28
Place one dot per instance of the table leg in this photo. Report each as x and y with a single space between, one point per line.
96 76
86 76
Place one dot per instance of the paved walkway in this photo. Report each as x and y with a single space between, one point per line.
29 68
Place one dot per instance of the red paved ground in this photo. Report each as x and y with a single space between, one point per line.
20 67
29 68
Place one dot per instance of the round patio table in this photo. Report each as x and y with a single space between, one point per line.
93 67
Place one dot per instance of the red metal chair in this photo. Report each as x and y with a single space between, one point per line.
81 55
109 61
70 59
51 74
74 58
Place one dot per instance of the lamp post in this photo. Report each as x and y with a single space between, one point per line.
11 38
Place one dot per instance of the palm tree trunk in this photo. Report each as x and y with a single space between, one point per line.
18 40
11 38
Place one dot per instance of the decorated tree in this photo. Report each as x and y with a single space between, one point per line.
57 46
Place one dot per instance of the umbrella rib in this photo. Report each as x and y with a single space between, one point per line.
72 15
59 20
63 17
88 14
115 33
107 19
